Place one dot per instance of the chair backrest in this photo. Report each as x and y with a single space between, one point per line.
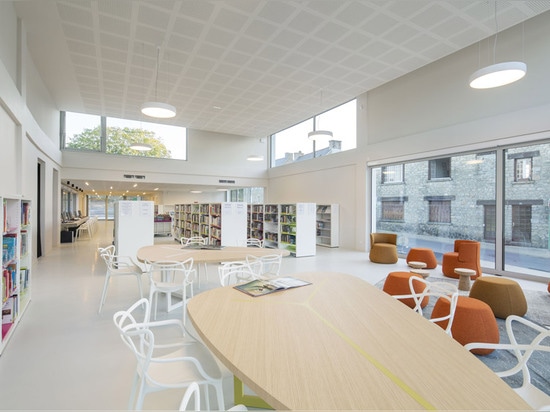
195 240
171 271
535 338
467 247
253 242
232 273
438 290
383 238
109 250
267 266
136 335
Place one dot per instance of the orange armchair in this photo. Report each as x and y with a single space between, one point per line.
383 248
466 255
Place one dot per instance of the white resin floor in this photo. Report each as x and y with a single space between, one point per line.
64 356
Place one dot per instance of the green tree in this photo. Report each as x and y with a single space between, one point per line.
119 141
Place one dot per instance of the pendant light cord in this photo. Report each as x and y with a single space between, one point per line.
157 73
496 35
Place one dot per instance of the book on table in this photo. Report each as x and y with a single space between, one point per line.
260 287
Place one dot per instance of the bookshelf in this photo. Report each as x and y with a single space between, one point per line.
328 225
222 224
271 226
297 228
16 263
256 221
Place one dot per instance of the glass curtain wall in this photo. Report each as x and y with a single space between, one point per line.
432 202
103 207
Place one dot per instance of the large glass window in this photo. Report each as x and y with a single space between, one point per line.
293 145
526 208
118 136
436 212
81 131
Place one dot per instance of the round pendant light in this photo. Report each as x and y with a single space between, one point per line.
497 75
158 110
141 147
319 135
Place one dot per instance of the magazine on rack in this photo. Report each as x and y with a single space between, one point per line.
262 287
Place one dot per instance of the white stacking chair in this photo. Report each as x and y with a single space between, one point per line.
539 340
233 273
196 240
437 290
84 227
171 277
265 267
176 364
253 242
118 266
193 392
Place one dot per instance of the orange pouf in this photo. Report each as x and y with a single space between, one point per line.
397 283
474 321
504 296
422 254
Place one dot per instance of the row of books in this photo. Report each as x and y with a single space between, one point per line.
9 282
9 248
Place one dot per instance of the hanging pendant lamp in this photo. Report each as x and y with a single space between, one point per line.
158 109
141 147
497 74
319 135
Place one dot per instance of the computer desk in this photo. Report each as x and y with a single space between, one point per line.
342 344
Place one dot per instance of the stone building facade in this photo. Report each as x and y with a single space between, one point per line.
455 197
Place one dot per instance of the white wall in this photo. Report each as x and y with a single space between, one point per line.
428 112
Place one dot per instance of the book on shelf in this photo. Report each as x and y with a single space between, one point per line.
260 287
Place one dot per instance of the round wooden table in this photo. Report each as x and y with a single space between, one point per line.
157 253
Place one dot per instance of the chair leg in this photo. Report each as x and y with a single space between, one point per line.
219 394
104 294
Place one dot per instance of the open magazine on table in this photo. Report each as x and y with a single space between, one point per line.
262 287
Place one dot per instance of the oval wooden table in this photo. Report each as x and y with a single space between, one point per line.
341 343
156 253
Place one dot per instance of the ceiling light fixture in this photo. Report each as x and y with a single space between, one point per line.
255 158
318 135
497 74
141 147
158 109
196 191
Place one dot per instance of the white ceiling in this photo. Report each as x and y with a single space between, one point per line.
245 67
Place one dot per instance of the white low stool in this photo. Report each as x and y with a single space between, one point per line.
417 265
464 278
422 272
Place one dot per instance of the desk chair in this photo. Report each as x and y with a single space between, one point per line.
523 351
84 227
118 266
160 365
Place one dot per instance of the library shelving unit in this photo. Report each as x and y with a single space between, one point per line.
222 224
271 225
256 222
297 228
328 225
16 263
